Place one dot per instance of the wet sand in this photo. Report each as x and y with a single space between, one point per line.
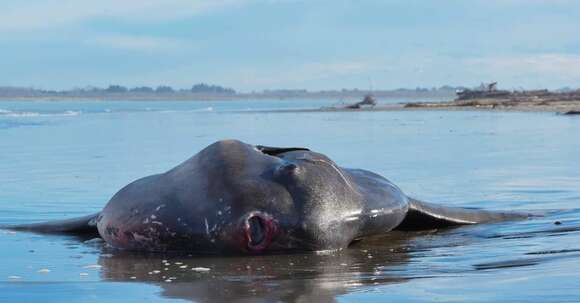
500 105
528 105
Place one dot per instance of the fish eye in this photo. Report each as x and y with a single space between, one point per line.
286 170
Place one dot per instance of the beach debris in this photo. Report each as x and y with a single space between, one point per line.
483 91
368 100
183 266
83 274
572 112
14 277
132 277
487 96
557 223
43 271
200 269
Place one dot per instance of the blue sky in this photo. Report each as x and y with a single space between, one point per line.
255 45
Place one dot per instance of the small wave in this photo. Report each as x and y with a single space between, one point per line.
72 113
14 124
24 114
19 114
197 110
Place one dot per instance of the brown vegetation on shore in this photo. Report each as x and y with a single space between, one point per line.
541 100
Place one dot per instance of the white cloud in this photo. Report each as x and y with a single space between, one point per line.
42 15
138 43
300 75
549 70
560 65
270 76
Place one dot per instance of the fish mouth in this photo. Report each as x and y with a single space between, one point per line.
259 231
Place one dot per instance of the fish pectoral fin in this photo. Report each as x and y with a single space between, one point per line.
423 215
85 225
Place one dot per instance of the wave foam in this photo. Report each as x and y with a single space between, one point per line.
72 113
19 114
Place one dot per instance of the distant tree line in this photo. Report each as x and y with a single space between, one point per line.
204 90
115 89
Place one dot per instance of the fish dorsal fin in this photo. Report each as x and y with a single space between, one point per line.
423 215
274 151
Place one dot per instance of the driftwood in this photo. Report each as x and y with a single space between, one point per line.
572 112
368 100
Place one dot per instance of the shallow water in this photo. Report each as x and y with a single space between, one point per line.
63 159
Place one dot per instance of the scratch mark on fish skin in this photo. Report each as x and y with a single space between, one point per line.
159 207
331 165
206 226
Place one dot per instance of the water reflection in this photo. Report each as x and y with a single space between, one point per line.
395 258
312 277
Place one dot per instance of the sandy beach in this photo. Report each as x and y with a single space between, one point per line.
500 105
529 105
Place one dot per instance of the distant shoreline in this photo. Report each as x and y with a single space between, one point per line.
558 106
208 92
214 97
531 104
482 104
